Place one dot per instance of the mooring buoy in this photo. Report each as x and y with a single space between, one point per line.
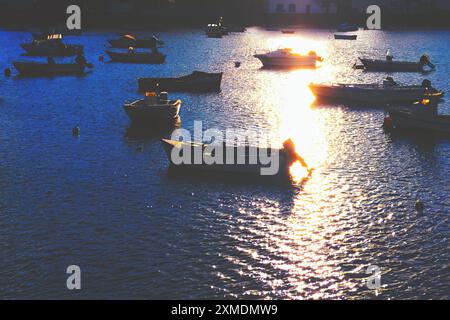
419 205
237 64
76 131
7 72
101 58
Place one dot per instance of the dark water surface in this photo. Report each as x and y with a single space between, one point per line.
97 202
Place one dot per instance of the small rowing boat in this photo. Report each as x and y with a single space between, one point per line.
420 116
154 108
228 160
137 57
345 36
387 92
287 31
128 40
27 68
195 82
389 65
215 30
286 58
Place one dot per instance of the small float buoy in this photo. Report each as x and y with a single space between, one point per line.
419 205
76 131
237 64
7 72
101 58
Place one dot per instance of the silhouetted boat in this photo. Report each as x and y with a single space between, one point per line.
241 161
197 81
389 65
345 37
287 31
128 40
137 57
153 108
387 92
420 116
46 69
286 58
51 47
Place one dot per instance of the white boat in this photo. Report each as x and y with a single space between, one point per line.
419 116
286 58
246 160
386 92
153 108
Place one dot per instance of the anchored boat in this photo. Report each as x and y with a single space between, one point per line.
286 58
345 36
128 40
387 92
228 160
346 27
389 65
420 116
137 57
197 82
154 108
215 31
51 68
51 46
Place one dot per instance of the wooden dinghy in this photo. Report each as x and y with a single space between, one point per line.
46 69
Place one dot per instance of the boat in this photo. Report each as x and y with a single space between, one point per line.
48 69
215 30
231 160
287 31
386 92
346 27
345 36
154 108
128 40
286 58
419 116
196 81
389 65
137 57
51 47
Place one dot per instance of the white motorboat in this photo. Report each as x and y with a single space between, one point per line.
386 92
154 108
419 116
287 58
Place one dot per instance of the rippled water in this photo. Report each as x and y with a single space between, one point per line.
99 203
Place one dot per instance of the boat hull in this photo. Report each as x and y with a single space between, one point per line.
44 69
345 37
150 58
195 82
391 66
155 114
369 93
287 62
402 119
53 51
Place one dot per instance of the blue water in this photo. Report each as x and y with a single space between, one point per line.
99 202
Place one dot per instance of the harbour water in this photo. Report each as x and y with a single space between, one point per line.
104 202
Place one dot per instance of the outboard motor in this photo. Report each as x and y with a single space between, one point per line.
425 61
289 148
